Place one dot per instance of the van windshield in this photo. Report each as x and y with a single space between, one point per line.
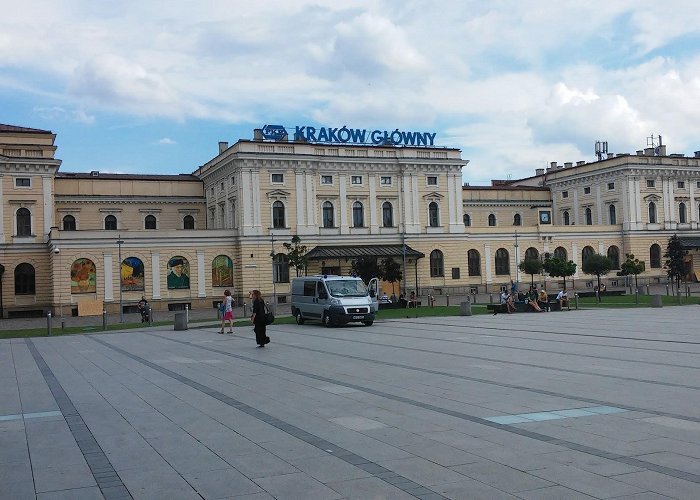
346 288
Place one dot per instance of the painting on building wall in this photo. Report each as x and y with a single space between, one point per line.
83 276
178 273
132 275
222 271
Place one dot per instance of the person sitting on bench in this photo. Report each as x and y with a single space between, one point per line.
563 299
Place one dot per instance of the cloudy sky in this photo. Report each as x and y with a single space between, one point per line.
152 86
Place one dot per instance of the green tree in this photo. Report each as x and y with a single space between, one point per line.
632 267
531 267
675 253
391 272
296 253
599 265
560 268
366 268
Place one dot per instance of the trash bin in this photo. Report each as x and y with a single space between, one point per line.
465 308
656 301
181 320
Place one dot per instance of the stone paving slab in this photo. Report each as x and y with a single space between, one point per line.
415 408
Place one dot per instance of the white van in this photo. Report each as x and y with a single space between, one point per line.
333 300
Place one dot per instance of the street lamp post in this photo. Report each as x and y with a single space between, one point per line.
121 307
403 243
517 260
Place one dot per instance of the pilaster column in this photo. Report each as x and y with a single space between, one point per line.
155 274
109 276
201 275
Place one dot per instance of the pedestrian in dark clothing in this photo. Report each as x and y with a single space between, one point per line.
258 319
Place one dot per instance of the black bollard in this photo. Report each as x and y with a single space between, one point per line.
48 322
104 320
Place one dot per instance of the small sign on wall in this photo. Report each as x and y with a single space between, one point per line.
90 307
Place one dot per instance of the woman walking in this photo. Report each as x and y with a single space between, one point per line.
227 306
258 319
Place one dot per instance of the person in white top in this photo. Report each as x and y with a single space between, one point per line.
227 306
563 299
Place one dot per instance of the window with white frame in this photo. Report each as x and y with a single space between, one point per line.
611 186
278 178
587 190
23 182
681 185
651 183
326 179
564 194
356 179
385 180
432 180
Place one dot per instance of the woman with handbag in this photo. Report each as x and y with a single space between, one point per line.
259 318
227 312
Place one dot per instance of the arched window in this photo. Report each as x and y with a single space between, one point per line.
682 217
433 214
612 215
614 256
492 220
222 271
502 262
278 215
560 253
110 223
585 253
437 267
24 222
655 256
358 215
69 223
387 214
281 268
652 212
327 210
188 222
567 221
517 220
132 275
589 216
24 280
150 222
467 220
474 263
532 254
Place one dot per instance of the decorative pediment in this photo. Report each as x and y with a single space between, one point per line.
652 197
278 194
433 196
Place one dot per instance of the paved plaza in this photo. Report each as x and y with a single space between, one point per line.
579 404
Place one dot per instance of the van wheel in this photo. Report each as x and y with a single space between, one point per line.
327 321
299 317
368 323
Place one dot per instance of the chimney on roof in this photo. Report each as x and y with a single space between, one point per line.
648 151
223 146
257 134
610 155
697 154
662 150
640 152
553 164
539 171
568 164
95 173
579 163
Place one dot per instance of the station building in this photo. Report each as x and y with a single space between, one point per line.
69 239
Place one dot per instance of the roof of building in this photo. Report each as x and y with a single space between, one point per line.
15 129
354 252
121 177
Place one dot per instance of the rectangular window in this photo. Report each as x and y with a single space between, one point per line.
587 190
564 194
326 179
611 186
698 185
385 181
277 177
455 273
23 182
222 186
356 179
212 190
650 183
432 180
681 185
233 181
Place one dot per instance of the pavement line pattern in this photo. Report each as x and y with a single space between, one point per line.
688 476
540 416
106 477
378 471
20 416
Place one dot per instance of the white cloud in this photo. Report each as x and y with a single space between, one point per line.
167 141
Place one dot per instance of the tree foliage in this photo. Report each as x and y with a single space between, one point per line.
597 264
390 271
366 268
559 268
632 267
296 253
675 253
531 267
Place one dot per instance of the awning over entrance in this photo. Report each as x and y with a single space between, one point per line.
355 252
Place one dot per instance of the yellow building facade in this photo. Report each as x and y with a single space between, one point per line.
71 238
